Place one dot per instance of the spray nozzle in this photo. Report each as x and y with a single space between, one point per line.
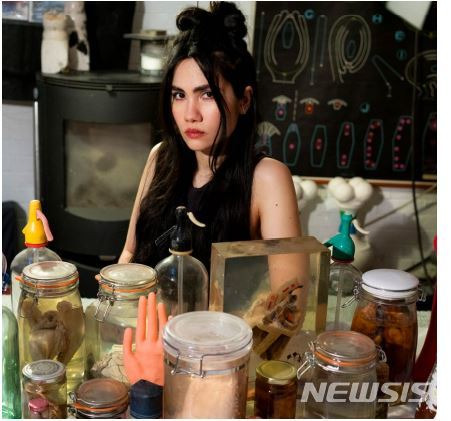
37 231
180 233
342 245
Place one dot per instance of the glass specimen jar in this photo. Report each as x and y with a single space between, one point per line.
115 309
51 320
344 357
100 398
206 357
275 390
44 390
386 312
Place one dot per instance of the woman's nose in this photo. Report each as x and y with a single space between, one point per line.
192 111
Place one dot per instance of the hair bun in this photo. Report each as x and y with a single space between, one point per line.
230 17
191 18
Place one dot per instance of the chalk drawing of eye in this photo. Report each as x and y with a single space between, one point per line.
337 103
282 102
309 104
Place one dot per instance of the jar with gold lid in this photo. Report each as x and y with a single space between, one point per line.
115 309
44 390
275 390
51 321
100 398
338 370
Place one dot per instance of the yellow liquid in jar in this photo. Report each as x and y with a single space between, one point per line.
53 327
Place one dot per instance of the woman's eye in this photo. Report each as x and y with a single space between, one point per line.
178 95
208 94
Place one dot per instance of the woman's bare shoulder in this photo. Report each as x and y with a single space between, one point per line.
270 170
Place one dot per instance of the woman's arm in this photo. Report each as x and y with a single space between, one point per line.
146 179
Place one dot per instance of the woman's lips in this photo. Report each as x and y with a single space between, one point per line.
194 133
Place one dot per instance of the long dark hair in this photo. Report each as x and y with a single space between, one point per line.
214 39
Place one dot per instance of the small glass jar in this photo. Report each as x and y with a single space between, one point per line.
344 357
386 313
100 398
115 309
44 390
51 320
275 390
206 356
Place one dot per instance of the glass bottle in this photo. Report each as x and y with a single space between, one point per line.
10 366
44 390
182 279
275 390
344 357
37 234
51 320
100 398
386 313
206 356
115 309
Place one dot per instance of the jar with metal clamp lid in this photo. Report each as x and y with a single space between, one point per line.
99 398
336 373
206 356
51 321
115 309
386 312
44 390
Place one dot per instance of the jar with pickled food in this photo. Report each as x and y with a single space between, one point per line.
386 312
115 309
51 321
275 390
44 390
339 358
99 398
206 357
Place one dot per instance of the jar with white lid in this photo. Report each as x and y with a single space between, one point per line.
345 358
115 309
386 312
206 356
50 318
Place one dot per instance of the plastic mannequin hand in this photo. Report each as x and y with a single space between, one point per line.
146 362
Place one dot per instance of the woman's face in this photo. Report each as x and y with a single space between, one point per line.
194 109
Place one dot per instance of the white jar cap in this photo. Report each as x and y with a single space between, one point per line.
390 284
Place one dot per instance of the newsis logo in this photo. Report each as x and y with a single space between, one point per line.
337 392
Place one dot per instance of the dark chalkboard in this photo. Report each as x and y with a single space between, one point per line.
342 86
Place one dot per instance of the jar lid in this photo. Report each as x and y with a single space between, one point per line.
199 333
44 371
345 349
390 283
49 271
102 393
128 275
277 372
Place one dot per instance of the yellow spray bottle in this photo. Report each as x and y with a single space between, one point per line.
37 235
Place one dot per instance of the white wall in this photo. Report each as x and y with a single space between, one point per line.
393 238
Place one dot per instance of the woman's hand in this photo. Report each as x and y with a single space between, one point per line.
146 362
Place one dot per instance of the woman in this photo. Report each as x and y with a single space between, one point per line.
207 161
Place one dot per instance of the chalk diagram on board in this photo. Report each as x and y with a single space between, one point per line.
318 146
265 132
318 44
309 105
292 145
402 143
349 46
427 60
373 144
429 145
345 145
285 29
377 61
281 111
